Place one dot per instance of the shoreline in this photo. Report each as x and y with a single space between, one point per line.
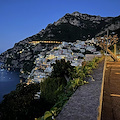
8 81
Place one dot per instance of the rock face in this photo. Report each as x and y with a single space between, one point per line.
78 26
71 27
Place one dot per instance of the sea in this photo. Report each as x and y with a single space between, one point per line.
8 81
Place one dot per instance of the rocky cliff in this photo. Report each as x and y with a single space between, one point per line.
70 27
78 26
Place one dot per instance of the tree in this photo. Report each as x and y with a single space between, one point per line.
52 85
28 65
21 105
62 69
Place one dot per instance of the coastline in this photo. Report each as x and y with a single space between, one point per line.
8 81
22 76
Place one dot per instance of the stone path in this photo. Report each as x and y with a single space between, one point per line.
83 105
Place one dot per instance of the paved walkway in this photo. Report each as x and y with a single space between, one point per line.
111 92
83 105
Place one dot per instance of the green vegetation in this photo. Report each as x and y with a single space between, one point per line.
9 60
55 92
62 69
60 95
49 88
54 84
28 65
20 104
68 32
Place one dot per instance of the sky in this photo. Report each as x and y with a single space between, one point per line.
20 19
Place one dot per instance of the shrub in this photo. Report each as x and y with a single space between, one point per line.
52 86
9 60
20 103
64 93
62 68
49 88
28 66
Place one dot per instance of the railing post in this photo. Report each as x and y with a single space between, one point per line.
114 49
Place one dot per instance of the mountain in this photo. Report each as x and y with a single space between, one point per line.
70 27
77 26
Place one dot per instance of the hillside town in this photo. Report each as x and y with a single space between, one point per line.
75 52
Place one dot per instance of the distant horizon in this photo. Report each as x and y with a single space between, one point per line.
21 19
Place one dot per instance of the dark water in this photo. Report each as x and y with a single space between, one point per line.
8 81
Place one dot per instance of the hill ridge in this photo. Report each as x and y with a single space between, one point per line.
69 28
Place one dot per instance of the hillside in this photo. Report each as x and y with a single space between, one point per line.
77 26
70 27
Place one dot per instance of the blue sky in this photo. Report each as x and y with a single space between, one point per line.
20 19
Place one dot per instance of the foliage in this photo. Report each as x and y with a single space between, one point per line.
75 83
55 92
52 86
64 93
20 104
78 72
87 68
62 68
17 56
69 32
28 65
49 87
47 115
9 60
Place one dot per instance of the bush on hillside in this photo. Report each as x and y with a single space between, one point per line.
21 105
52 85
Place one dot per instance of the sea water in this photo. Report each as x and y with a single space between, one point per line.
8 81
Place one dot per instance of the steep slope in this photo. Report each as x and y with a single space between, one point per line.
70 27
113 26
73 26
